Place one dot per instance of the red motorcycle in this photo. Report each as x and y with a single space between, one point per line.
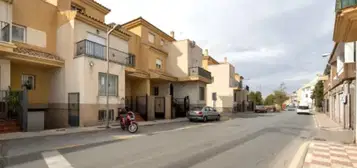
127 121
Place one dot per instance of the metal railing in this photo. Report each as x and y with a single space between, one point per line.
5 31
96 50
198 71
341 4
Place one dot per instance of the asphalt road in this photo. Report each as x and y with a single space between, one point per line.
247 141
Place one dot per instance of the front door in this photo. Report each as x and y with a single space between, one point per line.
73 109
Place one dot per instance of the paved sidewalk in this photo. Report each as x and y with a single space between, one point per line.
324 122
62 131
330 155
331 131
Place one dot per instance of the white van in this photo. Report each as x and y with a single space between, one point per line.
303 109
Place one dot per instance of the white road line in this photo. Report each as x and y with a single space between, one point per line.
55 160
317 125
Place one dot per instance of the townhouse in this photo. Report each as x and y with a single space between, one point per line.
225 92
339 85
57 50
340 73
167 77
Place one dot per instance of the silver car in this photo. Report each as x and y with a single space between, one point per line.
203 114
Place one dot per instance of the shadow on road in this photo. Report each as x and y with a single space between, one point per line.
254 115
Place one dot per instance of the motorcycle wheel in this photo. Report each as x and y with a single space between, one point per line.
133 127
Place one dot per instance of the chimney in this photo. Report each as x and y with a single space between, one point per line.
205 53
172 34
225 59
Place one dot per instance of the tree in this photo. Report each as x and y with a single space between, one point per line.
259 98
318 94
256 97
269 100
280 95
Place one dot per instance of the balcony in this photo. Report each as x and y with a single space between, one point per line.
349 71
345 21
341 4
200 72
96 50
5 32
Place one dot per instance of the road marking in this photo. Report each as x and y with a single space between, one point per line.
317 125
182 128
67 146
123 137
299 157
54 159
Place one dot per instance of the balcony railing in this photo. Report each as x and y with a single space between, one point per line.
341 4
96 50
198 71
5 31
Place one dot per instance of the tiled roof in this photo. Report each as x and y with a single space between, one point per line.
36 53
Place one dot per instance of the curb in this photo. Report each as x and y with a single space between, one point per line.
299 158
114 126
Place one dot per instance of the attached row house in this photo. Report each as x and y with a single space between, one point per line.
340 73
53 62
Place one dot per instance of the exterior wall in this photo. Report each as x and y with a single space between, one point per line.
5 74
145 39
163 88
40 18
152 56
178 59
190 89
194 55
220 85
40 95
81 32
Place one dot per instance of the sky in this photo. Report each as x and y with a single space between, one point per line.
268 41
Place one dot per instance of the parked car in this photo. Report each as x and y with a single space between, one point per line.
203 114
260 109
303 109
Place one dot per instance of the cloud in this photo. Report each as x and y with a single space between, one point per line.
268 41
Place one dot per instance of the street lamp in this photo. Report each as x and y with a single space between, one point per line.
325 55
107 80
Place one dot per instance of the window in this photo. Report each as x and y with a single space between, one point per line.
28 81
151 38
156 91
158 63
306 95
112 86
18 33
162 42
214 96
202 93
102 115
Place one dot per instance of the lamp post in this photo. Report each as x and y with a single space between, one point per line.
107 80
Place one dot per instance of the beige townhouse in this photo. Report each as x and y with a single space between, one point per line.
224 93
57 47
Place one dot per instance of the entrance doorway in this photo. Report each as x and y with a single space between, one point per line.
73 109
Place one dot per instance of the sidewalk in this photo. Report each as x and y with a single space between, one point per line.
63 131
330 155
331 131
332 146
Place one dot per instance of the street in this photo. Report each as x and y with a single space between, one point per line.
247 140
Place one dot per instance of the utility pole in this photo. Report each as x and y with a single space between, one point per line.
107 80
